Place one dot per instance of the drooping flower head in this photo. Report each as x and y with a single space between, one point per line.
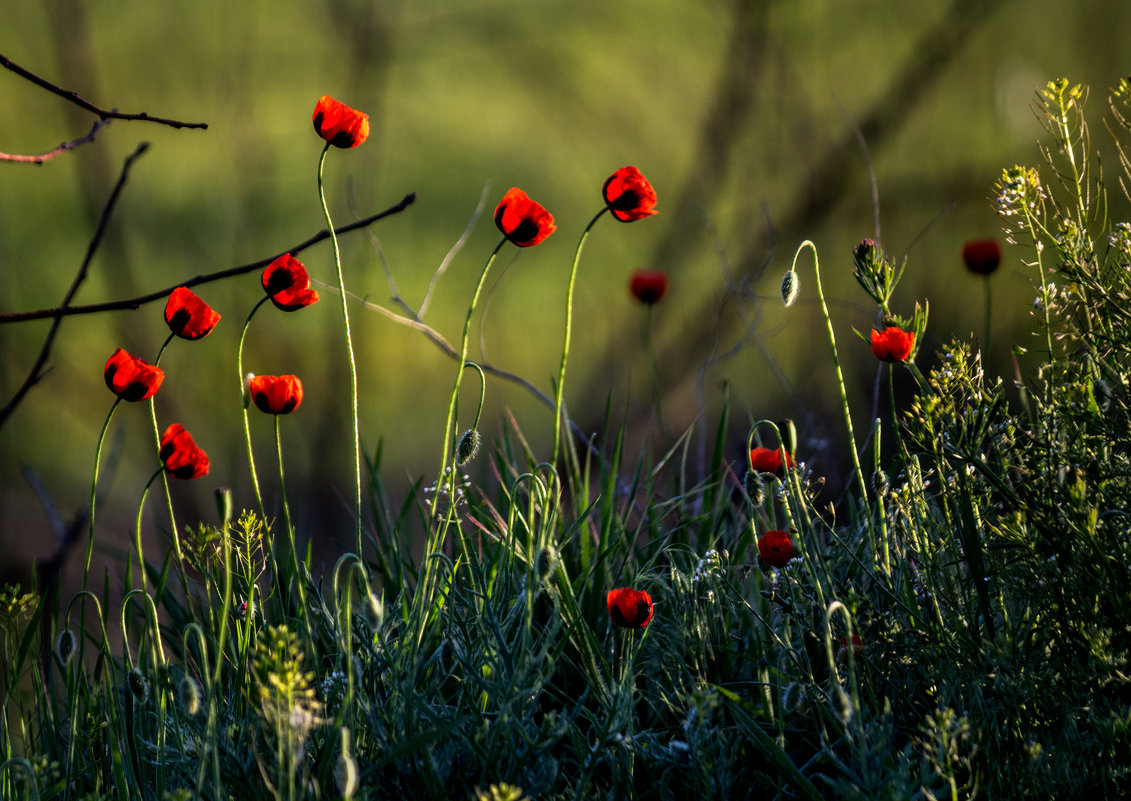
275 394
629 608
768 460
628 195
648 286
893 344
776 548
130 378
523 222
981 256
188 316
180 455
287 283
339 124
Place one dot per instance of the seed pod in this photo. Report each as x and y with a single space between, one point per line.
138 685
790 287
191 695
468 446
65 646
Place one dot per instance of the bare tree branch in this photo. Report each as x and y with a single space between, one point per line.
66 147
103 114
35 375
141 300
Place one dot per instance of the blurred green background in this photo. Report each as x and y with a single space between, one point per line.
740 113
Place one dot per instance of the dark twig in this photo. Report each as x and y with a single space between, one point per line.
141 300
60 150
35 375
103 114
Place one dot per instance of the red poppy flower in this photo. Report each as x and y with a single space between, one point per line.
130 378
629 608
180 455
522 221
648 286
981 256
768 460
275 394
628 195
893 344
776 548
339 124
288 284
857 647
188 316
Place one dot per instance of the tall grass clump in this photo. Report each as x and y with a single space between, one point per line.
609 624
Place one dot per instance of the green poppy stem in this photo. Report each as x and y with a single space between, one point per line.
157 442
450 422
243 407
94 492
839 377
349 354
137 524
568 332
654 365
292 557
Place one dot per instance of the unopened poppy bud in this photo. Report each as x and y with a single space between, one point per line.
788 433
468 446
546 562
345 771
880 482
224 506
374 611
790 287
754 489
65 646
138 685
191 695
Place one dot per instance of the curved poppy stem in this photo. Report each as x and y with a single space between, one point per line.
243 407
450 422
568 332
349 353
839 374
655 367
94 491
157 441
137 525
293 562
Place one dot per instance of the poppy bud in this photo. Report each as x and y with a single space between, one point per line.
138 685
790 287
65 646
752 482
468 447
191 695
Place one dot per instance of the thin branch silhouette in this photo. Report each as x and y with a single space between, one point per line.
36 374
86 105
139 301
66 147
